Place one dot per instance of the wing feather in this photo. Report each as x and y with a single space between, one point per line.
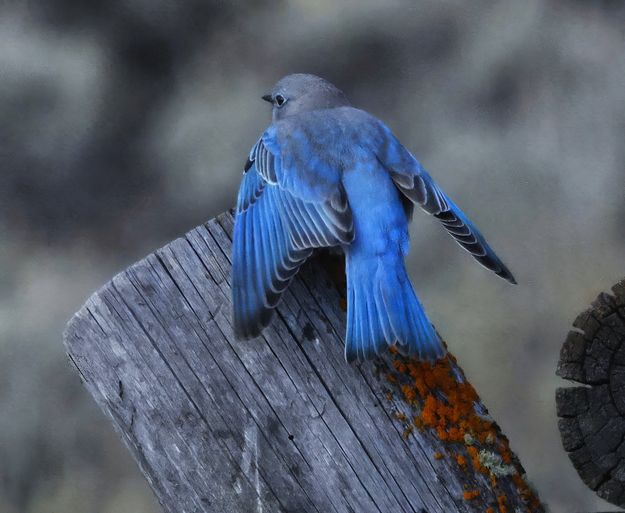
418 186
275 231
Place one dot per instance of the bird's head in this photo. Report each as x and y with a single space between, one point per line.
301 92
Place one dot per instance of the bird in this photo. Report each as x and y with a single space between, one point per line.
325 174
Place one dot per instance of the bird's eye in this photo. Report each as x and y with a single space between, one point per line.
280 100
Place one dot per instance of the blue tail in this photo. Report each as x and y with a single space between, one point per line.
383 310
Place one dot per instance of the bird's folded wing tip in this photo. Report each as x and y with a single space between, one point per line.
507 275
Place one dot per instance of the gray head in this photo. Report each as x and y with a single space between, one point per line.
300 92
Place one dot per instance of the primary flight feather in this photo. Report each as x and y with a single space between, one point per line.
325 174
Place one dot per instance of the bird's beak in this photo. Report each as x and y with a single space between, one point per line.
267 98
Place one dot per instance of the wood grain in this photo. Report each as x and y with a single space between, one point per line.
280 423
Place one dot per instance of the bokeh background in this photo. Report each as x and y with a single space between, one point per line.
124 123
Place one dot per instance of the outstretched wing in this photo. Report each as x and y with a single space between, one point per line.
418 186
276 229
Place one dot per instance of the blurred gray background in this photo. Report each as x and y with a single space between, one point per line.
124 123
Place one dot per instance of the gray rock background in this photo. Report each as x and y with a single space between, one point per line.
124 123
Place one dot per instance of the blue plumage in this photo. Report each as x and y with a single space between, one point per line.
325 174
382 306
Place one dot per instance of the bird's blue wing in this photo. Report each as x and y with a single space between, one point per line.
418 186
275 232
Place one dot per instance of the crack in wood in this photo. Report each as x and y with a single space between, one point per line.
592 416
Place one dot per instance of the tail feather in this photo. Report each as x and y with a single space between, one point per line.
383 310
413 331
363 329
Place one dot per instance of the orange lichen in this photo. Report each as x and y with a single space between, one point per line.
448 403
438 455
454 434
469 495
409 392
399 366
448 409
501 502
407 432
474 454
428 413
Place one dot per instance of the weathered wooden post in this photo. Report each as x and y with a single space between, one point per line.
592 417
281 423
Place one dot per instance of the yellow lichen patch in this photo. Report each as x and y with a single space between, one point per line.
438 455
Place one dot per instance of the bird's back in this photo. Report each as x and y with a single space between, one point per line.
336 137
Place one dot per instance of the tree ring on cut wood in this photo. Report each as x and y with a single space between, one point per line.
592 417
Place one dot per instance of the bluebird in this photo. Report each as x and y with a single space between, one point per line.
325 174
